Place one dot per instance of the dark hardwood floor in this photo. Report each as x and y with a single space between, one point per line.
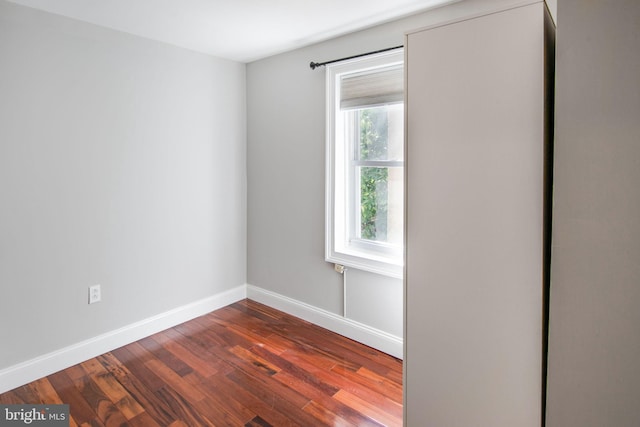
243 365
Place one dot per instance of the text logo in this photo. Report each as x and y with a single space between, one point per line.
34 415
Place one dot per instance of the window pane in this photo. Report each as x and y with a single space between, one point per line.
381 204
381 133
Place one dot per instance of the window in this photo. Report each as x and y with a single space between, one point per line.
365 163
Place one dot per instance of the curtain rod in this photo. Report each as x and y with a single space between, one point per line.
314 65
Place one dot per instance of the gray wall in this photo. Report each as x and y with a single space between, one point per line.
594 349
286 182
122 162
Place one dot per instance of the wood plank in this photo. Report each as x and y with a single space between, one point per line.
25 394
134 357
70 394
143 420
104 409
204 365
75 372
266 410
281 398
174 363
109 385
368 408
371 381
321 359
258 422
199 345
262 364
10 398
46 394
330 412
183 409
302 375
138 390
219 406
175 381
233 317
200 334
394 408
254 309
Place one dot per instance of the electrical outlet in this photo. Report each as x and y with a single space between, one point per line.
94 294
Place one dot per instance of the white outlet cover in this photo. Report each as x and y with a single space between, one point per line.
94 294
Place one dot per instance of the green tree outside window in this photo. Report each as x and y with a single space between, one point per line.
373 180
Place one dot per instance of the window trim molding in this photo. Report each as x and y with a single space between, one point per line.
339 252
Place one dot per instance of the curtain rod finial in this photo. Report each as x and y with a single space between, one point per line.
313 65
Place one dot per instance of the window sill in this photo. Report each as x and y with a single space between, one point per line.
367 262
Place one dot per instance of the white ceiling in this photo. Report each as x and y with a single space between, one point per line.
242 30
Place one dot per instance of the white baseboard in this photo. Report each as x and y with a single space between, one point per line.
25 372
372 337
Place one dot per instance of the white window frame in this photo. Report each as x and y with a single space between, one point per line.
340 200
